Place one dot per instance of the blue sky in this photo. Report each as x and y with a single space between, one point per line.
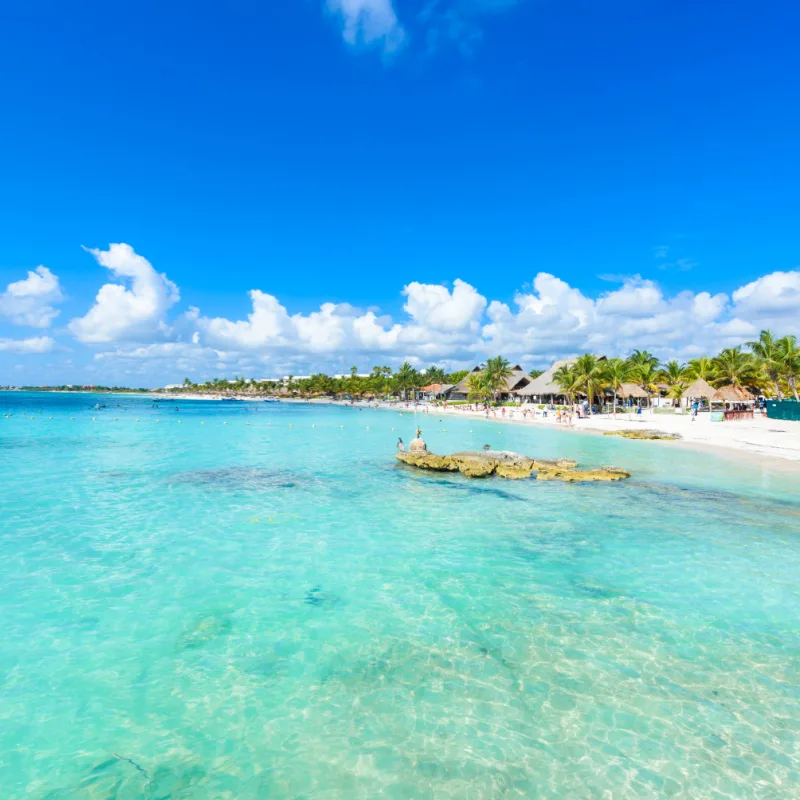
334 182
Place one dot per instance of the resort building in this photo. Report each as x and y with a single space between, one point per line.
437 391
518 380
543 389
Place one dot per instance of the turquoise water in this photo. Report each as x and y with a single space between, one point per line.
195 609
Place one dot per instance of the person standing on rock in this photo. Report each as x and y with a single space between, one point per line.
400 445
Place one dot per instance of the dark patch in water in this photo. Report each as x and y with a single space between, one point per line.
467 486
313 598
204 631
243 478
599 592
133 764
690 494
318 597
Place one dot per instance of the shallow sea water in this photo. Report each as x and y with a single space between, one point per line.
239 600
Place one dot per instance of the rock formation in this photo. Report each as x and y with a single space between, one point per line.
644 434
505 464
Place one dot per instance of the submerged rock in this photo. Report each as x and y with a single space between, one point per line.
644 434
513 466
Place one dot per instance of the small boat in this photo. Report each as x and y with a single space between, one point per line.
232 400
98 406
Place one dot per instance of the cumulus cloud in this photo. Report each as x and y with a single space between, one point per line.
556 319
269 326
31 346
453 325
30 301
369 23
126 312
441 323
442 310
776 295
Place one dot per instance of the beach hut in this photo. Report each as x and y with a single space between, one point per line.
700 392
461 390
435 391
733 402
632 394
518 380
542 389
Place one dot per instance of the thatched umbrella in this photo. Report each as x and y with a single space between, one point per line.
730 394
699 390
632 390
733 394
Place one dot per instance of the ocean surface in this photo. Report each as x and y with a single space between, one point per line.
252 600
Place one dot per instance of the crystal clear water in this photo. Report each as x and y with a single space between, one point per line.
274 608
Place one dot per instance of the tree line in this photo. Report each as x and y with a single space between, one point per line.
768 366
383 381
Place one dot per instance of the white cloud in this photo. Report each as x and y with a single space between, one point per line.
772 297
441 310
557 319
31 346
452 325
441 324
270 327
120 313
369 23
30 301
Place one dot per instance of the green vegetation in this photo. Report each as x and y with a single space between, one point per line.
84 388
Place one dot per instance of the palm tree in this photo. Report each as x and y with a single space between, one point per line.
567 380
676 392
673 373
790 362
734 367
477 387
617 372
434 374
406 378
767 352
496 371
700 369
647 377
591 375
641 358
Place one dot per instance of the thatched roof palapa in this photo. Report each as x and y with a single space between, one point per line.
518 379
733 394
700 389
543 385
627 390
462 386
